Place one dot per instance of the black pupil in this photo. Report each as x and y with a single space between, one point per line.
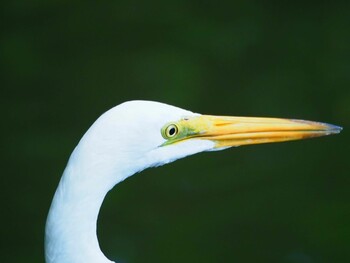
172 131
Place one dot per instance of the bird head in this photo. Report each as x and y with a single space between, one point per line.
142 134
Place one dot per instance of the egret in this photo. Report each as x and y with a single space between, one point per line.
134 136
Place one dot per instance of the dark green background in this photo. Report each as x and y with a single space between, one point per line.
63 63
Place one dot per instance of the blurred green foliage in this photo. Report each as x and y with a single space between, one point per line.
63 63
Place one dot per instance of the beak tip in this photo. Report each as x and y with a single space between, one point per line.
333 129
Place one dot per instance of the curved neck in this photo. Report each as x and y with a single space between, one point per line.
70 234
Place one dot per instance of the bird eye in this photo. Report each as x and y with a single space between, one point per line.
170 131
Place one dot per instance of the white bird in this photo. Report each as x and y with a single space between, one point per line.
134 136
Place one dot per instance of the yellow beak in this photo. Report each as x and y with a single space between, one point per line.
235 131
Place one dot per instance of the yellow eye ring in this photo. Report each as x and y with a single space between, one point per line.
170 131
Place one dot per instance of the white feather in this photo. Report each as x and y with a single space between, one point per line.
123 141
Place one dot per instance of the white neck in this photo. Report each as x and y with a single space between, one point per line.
70 234
123 141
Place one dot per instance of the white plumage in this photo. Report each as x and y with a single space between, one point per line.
128 139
